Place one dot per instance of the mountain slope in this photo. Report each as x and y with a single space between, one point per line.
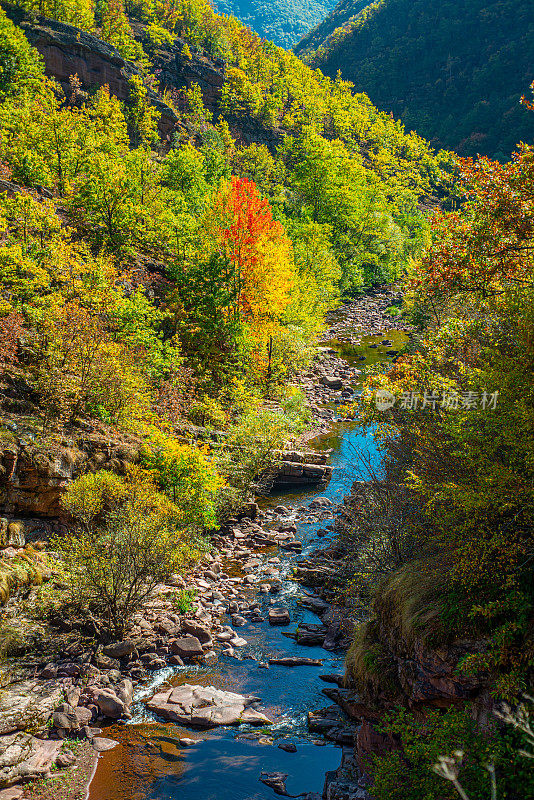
281 21
454 70
344 10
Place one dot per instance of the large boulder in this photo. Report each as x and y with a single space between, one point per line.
275 781
68 719
28 706
196 629
206 707
23 757
186 647
311 634
110 704
279 616
332 382
120 649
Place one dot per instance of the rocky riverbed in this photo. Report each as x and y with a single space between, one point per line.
249 652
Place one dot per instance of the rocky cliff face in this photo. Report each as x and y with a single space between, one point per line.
69 51
34 477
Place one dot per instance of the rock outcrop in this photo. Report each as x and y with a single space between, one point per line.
33 478
295 468
67 50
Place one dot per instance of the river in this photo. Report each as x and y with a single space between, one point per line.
150 764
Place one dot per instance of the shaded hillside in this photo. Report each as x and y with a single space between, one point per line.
281 21
343 11
452 70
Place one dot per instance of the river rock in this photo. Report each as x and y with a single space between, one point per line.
109 703
197 630
187 647
120 649
311 635
237 641
275 781
279 616
205 707
282 510
289 747
102 743
65 759
331 382
68 719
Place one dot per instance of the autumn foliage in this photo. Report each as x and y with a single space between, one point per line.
468 464
256 252
489 243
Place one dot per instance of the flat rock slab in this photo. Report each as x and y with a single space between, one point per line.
101 744
279 616
23 757
206 707
28 704
290 661
14 793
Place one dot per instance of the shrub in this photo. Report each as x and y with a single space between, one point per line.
183 600
127 544
408 774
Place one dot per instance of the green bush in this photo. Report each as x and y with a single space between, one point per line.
408 774
183 600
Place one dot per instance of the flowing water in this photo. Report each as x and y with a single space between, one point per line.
150 764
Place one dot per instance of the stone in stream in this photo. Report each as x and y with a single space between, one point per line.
281 510
237 641
111 703
296 661
102 743
197 630
206 707
336 678
279 616
275 781
289 747
311 635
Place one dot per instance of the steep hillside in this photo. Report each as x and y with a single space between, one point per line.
454 70
281 21
344 10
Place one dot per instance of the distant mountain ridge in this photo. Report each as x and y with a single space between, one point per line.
454 70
